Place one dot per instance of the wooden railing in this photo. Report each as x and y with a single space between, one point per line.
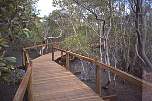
25 83
125 76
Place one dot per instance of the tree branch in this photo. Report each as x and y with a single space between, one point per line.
131 5
96 16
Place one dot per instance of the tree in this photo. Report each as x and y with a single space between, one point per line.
18 22
16 16
111 23
137 7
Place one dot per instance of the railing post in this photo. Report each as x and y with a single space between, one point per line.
23 57
52 53
61 53
49 48
98 79
67 61
26 59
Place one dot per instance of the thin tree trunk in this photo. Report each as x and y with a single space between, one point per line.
141 36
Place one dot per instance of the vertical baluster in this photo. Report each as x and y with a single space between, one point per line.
52 53
49 48
61 53
67 61
26 63
98 79
23 58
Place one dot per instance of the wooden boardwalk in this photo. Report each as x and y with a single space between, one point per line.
52 82
46 80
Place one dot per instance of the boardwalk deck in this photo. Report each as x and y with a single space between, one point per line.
52 82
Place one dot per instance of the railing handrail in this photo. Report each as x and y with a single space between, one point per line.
35 46
124 75
23 85
25 81
40 45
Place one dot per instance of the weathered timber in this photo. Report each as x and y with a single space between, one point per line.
23 86
67 61
52 82
52 53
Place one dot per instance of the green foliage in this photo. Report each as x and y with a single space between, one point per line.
51 26
10 60
25 33
19 20
77 43
3 43
6 63
19 25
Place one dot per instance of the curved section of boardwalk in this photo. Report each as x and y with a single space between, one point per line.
52 82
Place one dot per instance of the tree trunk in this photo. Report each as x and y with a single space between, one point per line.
141 36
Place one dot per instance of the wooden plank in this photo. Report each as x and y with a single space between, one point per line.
52 82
